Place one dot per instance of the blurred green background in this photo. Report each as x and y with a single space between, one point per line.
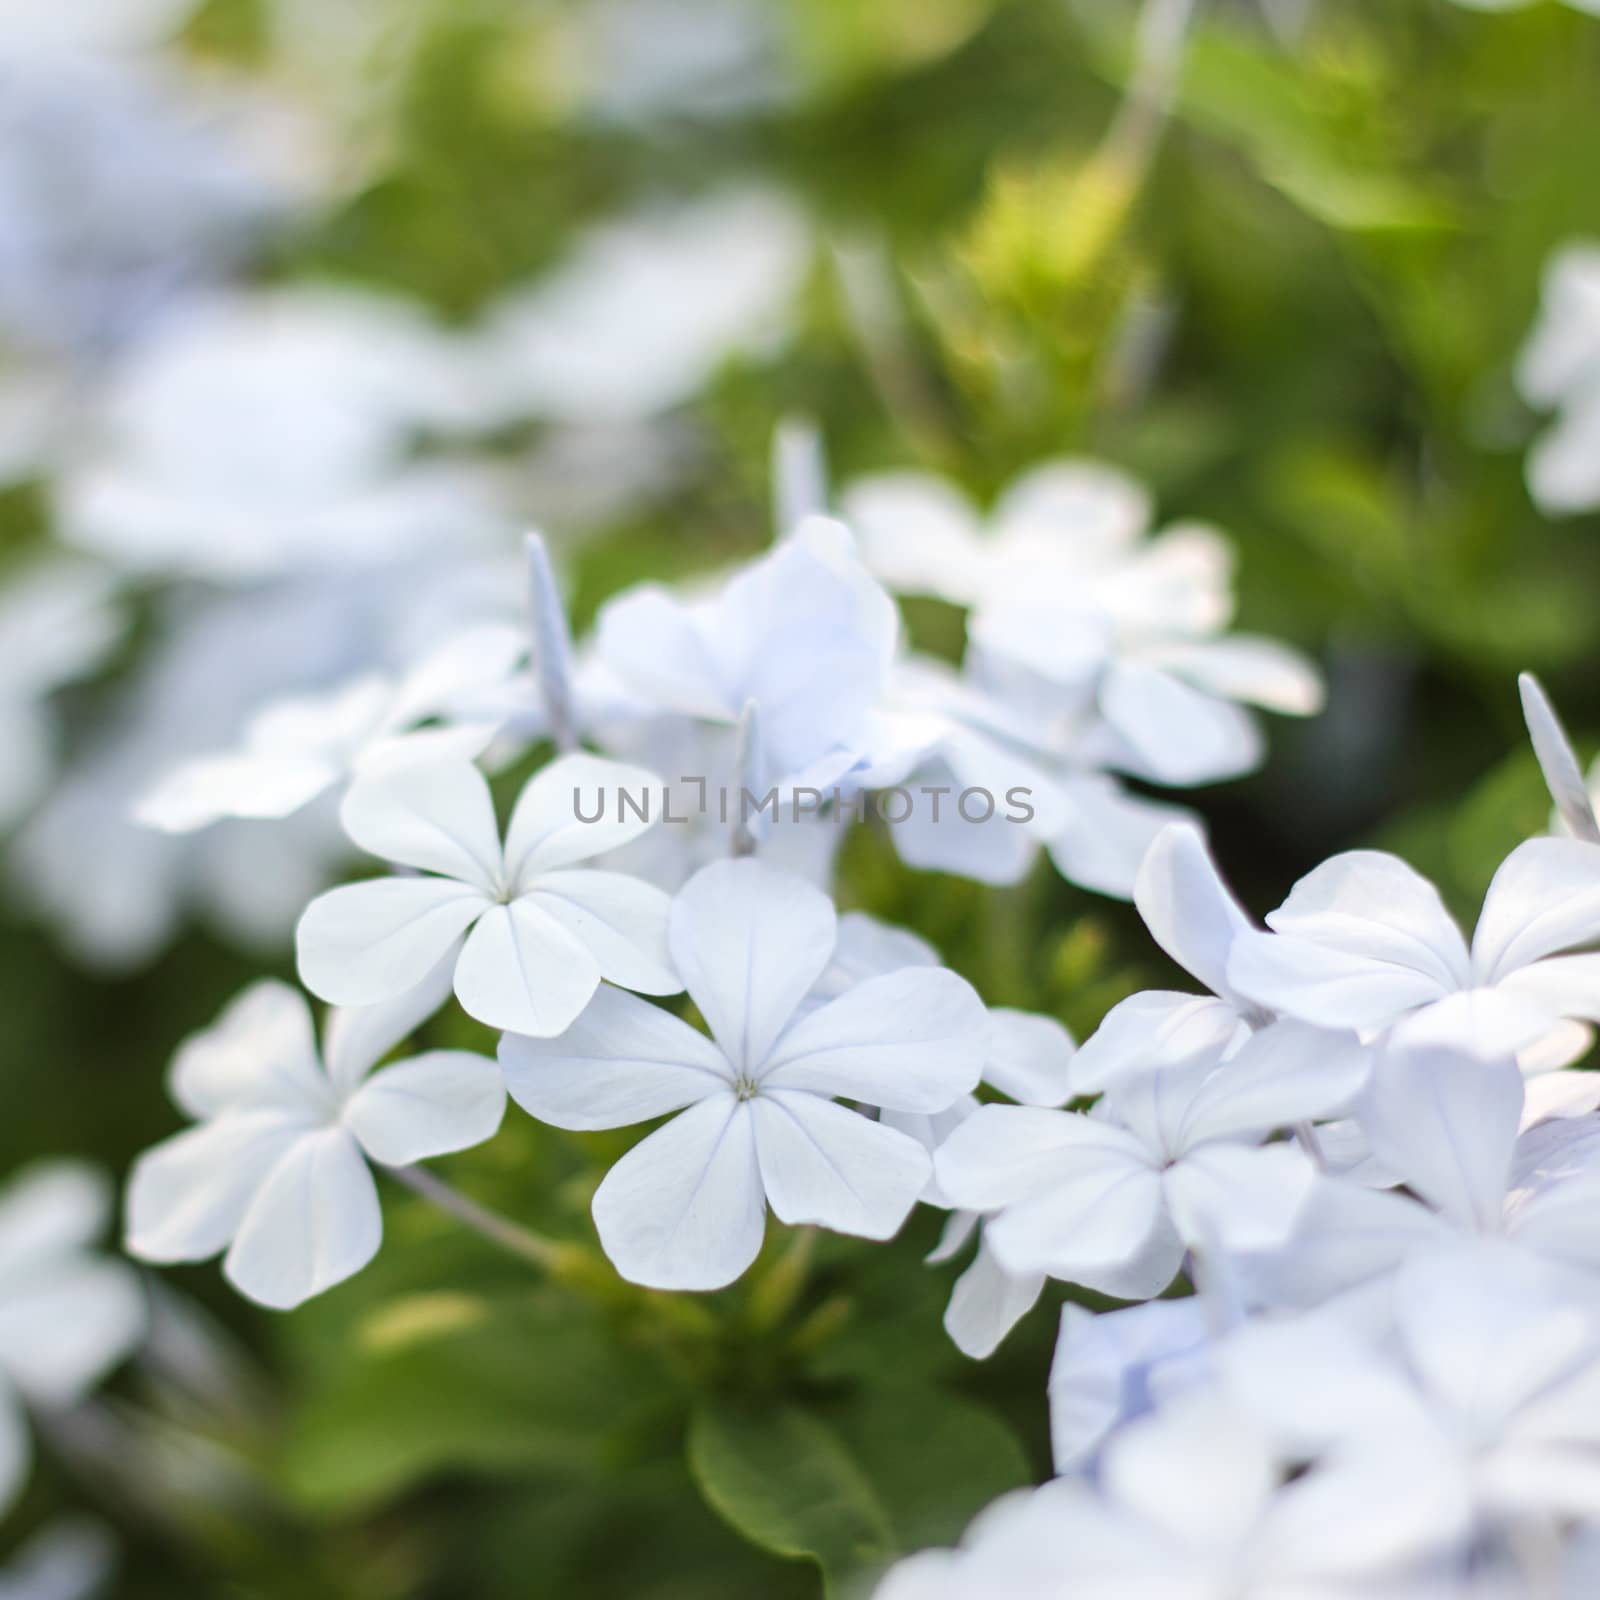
1299 321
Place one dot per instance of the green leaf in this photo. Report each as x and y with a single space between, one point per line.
854 1484
516 1383
785 1481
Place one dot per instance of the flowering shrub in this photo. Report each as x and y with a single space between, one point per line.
733 1044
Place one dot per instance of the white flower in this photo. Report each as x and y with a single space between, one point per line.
1064 585
1365 942
530 932
1486 1370
1195 1502
1559 369
294 749
804 633
66 1315
645 310
122 186
259 434
1169 1161
686 1207
57 621
276 1172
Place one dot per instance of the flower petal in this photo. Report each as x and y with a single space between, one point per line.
521 970
1242 666
431 1104
749 942
1187 907
1107 1230
1287 1073
685 1209
51 1208
824 1164
1238 1197
987 1303
188 1195
1544 898
1360 941
248 783
1176 734
918 533
67 1325
356 1038
1103 1366
1447 1125
260 1052
913 1040
314 1222
1562 774
1152 1030
577 808
1107 834
367 942
1030 1057
649 638
435 816
623 1060
1002 1154
620 921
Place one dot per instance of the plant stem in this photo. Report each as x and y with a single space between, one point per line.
499 1230
1131 141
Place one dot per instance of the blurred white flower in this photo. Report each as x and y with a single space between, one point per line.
1194 1502
1129 631
686 1207
70 1559
645 310
67 1316
57 622
644 61
1108 1369
272 432
1454 1131
529 932
116 892
126 180
293 750
276 1170
1559 370
1485 1371
1365 942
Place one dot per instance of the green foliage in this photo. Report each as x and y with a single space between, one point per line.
851 1485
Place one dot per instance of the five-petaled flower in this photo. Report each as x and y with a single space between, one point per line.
543 930
276 1173
686 1207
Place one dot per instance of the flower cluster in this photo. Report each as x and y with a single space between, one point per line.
1361 1152
1359 1148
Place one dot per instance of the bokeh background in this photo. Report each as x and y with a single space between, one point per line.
308 306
